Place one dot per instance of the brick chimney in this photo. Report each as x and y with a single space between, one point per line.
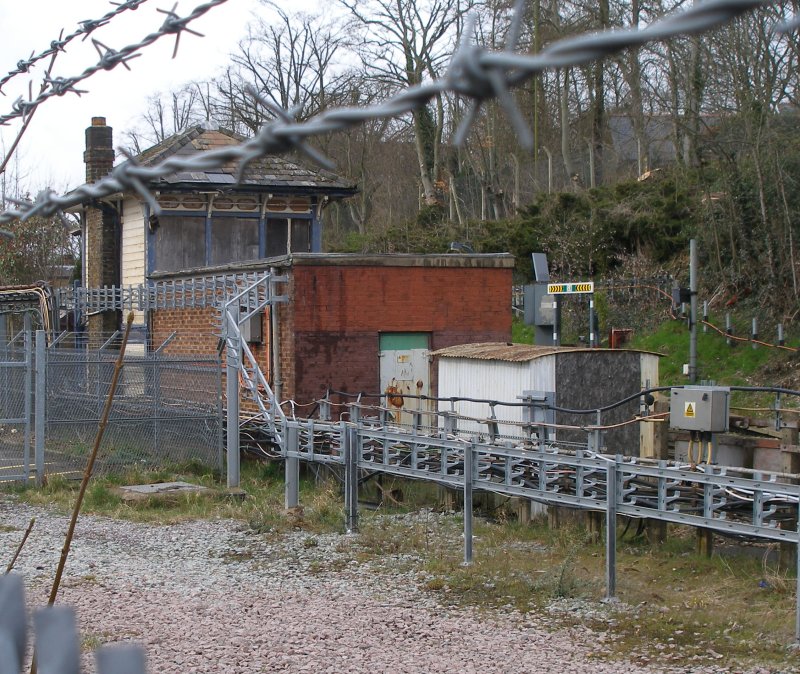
101 251
99 154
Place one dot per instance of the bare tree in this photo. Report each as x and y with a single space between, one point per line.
402 42
291 59
167 114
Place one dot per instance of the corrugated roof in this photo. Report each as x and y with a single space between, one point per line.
268 172
514 353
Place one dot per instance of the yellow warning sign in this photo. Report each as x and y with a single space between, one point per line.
688 410
570 288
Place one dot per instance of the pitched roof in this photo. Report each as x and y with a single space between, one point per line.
267 173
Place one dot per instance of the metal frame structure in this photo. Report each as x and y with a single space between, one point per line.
715 498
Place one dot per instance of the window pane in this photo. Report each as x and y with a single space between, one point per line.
301 236
277 236
180 242
233 239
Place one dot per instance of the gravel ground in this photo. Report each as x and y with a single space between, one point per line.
210 596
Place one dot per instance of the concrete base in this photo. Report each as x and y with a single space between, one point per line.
141 492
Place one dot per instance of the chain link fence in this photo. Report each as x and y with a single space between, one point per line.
167 411
15 410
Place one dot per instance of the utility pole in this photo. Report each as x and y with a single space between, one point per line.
692 311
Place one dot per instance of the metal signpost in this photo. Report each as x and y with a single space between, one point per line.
572 288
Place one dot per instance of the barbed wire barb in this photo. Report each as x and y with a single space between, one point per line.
174 24
110 58
87 27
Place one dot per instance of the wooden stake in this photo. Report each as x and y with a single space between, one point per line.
90 463
19 548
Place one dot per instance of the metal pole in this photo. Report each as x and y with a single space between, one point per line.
469 456
26 450
755 333
705 316
40 406
275 341
693 311
781 339
233 363
292 468
556 320
611 529
351 477
592 336
728 329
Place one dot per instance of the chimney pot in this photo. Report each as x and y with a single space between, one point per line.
98 121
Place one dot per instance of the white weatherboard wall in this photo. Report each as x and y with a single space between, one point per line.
493 380
133 254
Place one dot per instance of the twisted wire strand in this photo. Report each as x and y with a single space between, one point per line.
110 59
474 72
86 29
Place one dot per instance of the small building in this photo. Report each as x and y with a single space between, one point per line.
569 378
358 323
349 323
207 217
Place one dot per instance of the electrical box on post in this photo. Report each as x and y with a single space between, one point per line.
700 408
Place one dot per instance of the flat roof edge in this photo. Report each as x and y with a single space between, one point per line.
453 261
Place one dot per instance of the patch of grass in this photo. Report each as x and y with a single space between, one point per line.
738 365
521 333
262 508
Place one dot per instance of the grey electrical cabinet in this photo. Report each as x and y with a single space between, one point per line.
251 329
700 408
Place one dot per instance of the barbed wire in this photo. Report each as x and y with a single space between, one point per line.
87 28
474 73
110 59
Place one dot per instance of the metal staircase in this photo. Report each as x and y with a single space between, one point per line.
244 375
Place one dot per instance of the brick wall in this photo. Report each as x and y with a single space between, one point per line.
332 326
330 330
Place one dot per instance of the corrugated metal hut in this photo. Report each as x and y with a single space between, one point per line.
576 378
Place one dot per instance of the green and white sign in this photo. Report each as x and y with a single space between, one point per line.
570 288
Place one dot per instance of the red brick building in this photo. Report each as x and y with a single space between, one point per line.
360 323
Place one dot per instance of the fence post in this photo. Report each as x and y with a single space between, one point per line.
40 405
13 623
156 403
26 451
728 329
469 460
611 528
292 468
57 647
350 434
120 659
233 362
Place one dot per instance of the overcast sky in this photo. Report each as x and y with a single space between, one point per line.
51 153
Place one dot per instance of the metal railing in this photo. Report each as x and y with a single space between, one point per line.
726 500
